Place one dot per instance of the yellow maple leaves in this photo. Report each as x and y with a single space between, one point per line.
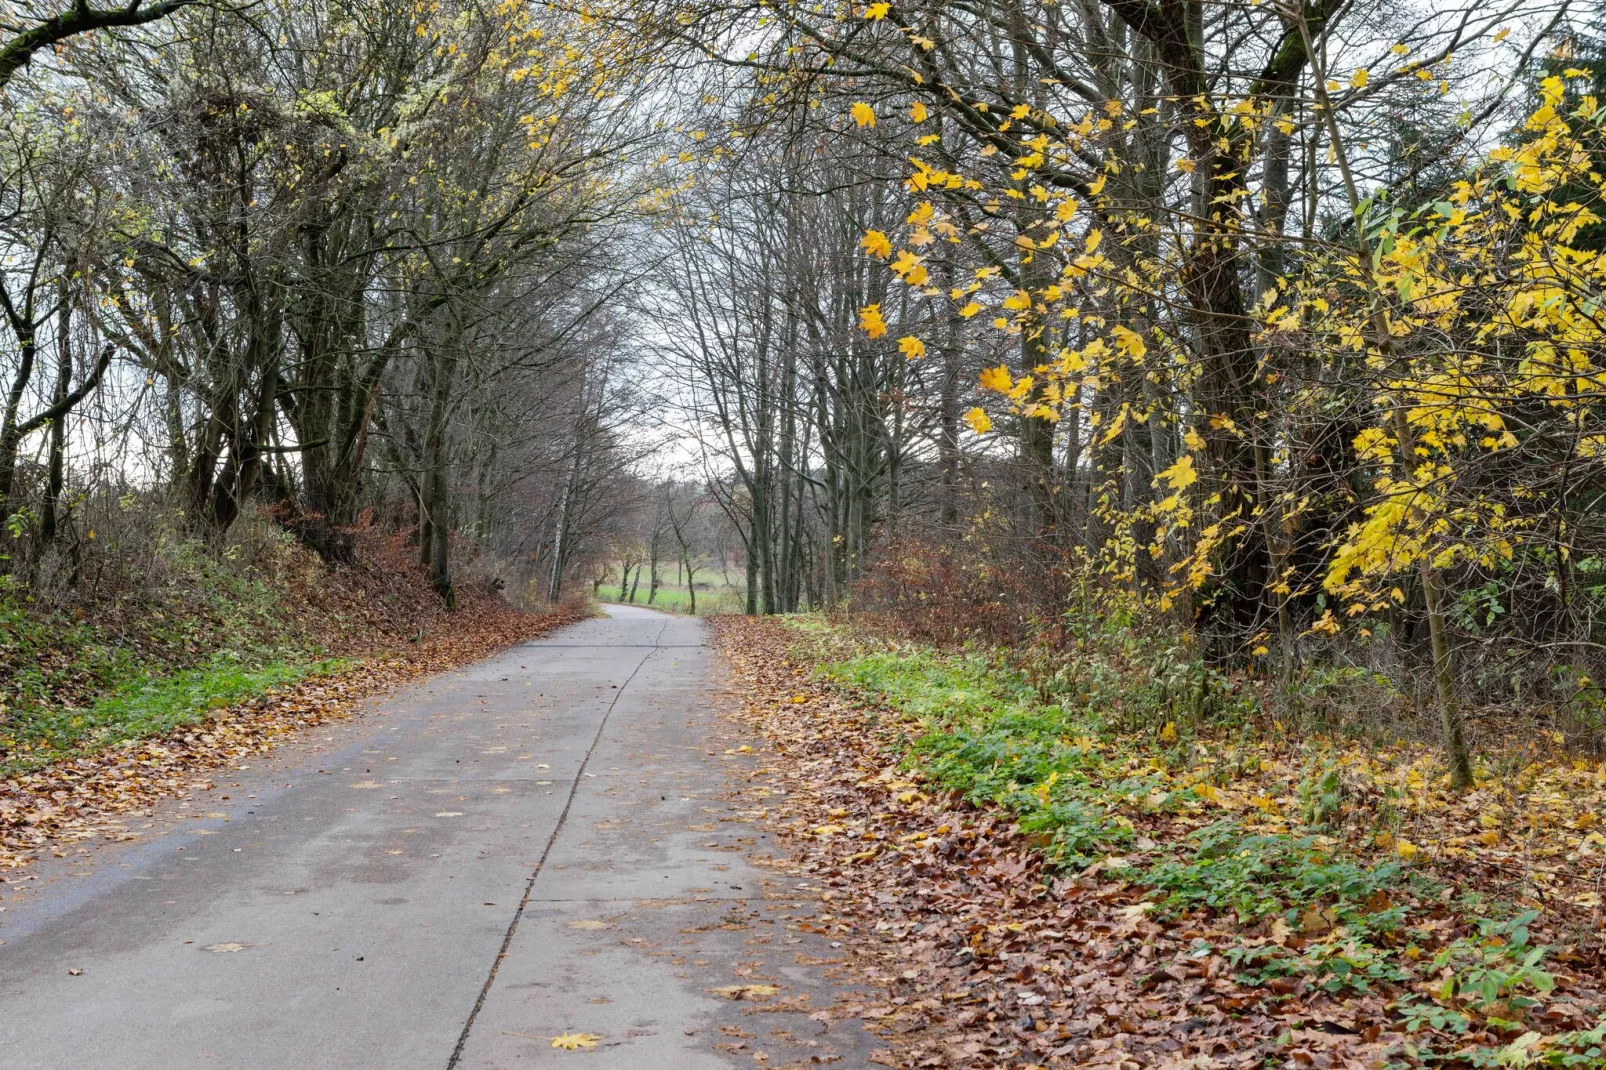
1129 342
910 268
912 347
1181 475
871 321
863 115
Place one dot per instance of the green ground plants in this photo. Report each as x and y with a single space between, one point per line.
148 705
1065 761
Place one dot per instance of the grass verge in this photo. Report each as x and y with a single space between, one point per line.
148 705
1312 866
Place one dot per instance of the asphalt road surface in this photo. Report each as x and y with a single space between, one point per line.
546 844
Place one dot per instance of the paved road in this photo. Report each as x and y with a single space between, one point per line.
543 844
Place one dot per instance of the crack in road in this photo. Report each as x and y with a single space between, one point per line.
557 830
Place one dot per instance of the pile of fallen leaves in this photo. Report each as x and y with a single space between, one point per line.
990 958
83 798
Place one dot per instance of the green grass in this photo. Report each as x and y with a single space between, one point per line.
1085 791
985 734
147 706
677 600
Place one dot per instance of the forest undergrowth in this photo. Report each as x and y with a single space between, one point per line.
1062 869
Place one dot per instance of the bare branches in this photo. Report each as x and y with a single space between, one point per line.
80 18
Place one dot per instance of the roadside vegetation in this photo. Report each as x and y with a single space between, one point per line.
1309 861
1071 870
148 705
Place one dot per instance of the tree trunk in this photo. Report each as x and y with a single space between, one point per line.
10 425
437 478
1455 739
58 430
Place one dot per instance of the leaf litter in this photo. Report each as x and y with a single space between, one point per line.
992 955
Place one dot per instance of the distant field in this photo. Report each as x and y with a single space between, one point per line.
676 600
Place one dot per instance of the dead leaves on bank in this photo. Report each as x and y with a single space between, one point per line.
988 960
101 794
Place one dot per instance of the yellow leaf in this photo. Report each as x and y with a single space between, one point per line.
863 114
1181 475
877 12
910 269
918 112
912 347
1405 849
979 421
870 321
970 310
876 244
1129 342
746 991
997 379
1168 734
575 1041
1185 165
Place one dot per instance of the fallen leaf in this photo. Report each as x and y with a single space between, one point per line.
575 1041
746 991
